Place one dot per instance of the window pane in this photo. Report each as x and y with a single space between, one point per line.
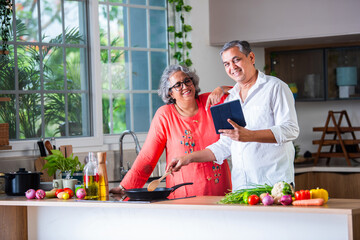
138 27
75 69
30 115
158 3
118 70
29 68
54 111
7 72
51 20
140 70
139 2
158 32
74 11
156 102
78 114
103 29
53 68
27 28
158 64
117 31
8 114
121 113
115 1
141 113
106 113
105 65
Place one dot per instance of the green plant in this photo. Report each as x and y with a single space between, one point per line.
57 161
5 23
180 45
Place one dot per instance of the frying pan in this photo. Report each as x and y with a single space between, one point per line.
143 194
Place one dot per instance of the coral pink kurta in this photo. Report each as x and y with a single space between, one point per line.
179 136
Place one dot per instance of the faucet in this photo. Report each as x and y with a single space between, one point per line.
137 150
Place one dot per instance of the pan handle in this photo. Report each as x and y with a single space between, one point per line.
180 185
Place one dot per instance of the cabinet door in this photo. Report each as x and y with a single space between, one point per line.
343 65
302 70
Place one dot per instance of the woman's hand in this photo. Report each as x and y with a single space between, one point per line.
118 190
214 97
177 162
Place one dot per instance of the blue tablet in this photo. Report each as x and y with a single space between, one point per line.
229 110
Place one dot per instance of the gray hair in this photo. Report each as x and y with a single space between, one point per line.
164 92
243 46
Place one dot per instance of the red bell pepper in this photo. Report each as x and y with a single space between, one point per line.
302 195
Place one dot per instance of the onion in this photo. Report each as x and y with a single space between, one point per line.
40 194
30 194
263 195
286 200
268 200
80 193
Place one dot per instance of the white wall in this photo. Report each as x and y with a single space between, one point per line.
208 65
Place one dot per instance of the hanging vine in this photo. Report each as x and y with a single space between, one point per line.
179 42
5 23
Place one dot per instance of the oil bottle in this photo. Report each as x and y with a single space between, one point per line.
103 179
91 178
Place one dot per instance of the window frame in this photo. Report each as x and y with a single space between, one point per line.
99 141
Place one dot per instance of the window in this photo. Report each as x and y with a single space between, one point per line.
54 92
134 53
45 74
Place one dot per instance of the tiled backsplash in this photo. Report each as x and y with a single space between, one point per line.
112 163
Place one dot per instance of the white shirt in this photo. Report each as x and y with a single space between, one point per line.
268 105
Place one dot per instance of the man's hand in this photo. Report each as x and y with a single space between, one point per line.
242 134
239 133
214 97
177 162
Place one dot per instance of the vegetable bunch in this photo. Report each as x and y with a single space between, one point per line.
242 195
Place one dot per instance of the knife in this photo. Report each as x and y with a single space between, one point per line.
41 148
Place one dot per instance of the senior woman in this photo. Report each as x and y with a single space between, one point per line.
181 126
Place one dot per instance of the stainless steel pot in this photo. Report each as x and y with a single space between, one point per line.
17 183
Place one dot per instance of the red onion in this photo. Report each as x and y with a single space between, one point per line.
30 194
286 200
268 200
40 194
80 193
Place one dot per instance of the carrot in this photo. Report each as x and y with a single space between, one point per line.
309 202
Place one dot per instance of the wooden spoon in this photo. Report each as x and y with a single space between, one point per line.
48 146
153 184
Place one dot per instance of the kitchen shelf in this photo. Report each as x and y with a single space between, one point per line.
337 130
7 147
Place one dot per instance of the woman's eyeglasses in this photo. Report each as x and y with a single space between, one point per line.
179 85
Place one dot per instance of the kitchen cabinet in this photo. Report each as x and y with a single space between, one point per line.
340 182
263 22
317 73
189 218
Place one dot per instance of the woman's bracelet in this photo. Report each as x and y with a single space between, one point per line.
222 89
122 188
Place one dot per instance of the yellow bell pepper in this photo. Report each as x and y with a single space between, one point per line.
320 193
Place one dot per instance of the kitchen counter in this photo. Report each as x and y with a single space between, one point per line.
189 218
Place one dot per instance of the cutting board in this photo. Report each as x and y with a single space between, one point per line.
39 164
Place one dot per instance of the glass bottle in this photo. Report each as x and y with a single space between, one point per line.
91 178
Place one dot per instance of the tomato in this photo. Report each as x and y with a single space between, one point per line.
253 199
69 191
302 195
58 191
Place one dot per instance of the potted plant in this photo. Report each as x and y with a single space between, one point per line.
57 161
5 24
